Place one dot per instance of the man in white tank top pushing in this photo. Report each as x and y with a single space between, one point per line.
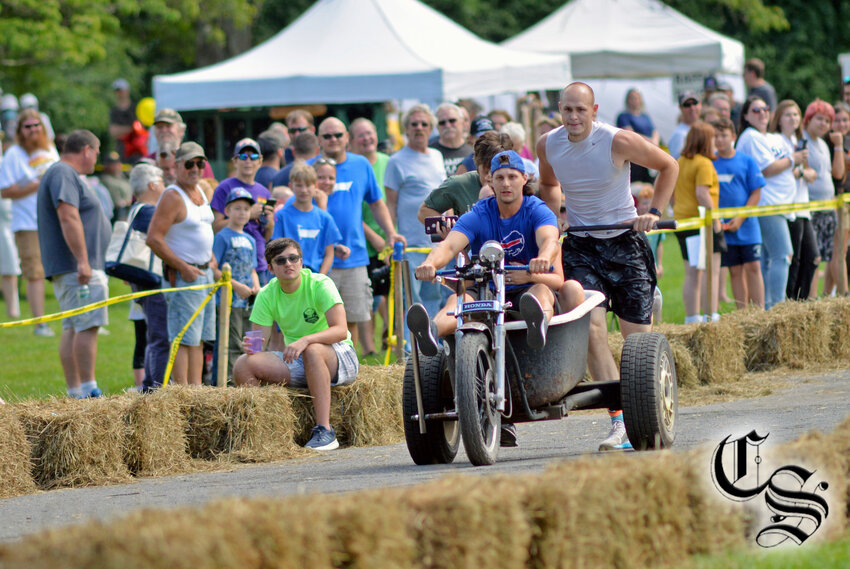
590 162
181 234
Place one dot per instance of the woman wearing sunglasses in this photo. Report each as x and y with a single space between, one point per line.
776 162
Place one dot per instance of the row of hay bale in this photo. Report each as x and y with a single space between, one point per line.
67 443
624 512
791 334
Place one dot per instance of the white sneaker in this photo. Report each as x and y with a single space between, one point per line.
617 439
43 330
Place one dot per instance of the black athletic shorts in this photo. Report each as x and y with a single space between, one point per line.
621 268
379 276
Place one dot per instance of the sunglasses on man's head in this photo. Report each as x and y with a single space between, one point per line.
248 156
322 160
689 104
444 122
330 135
297 129
284 259
199 164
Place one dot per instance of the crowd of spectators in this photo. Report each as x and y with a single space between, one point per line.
326 187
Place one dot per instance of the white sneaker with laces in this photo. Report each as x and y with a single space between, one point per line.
617 439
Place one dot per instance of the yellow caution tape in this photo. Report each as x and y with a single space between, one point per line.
101 304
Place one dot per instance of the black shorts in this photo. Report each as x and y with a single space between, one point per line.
622 268
719 242
379 276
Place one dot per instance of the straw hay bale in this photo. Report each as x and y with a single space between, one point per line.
244 424
626 512
790 334
464 522
715 349
839 309
371 529
156 436
15 453
248 534
827 457
364 413
76 442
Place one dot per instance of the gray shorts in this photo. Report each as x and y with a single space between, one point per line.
67 291
347 368
355 288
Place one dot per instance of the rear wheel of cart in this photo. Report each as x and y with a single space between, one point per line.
648 391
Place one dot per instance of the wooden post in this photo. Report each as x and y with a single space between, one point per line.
226 291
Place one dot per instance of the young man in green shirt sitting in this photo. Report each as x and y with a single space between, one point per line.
315 351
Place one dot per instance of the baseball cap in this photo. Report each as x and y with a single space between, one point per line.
480 125
239 194
246 143
111 158
189 150
688 95
507 159
29 101
270 142
168 115
120 85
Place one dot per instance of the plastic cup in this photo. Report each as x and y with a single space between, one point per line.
256 340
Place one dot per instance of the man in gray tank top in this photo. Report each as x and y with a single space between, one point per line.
590 162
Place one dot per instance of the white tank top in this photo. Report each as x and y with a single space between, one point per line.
596 191
192 238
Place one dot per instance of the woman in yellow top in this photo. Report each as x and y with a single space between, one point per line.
697 185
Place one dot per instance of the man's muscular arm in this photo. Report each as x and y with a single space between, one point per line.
549 189
632 147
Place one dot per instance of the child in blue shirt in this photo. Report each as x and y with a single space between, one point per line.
301 220
234 246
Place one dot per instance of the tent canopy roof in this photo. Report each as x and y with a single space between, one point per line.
630 38
346 51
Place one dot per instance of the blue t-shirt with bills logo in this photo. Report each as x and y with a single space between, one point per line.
517 234
314 230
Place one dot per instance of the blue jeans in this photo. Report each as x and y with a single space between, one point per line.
424 292
776 253
156 352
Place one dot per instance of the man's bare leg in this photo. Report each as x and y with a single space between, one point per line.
66 358
180 368
352 329
85 353
600 362
256 369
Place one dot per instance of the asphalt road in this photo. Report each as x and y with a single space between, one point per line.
809 402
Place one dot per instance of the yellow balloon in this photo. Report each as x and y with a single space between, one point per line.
146 110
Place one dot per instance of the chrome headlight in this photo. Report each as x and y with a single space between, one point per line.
491 252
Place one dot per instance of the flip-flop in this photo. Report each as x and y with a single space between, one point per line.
423 329
535 321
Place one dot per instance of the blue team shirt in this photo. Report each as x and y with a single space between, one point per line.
739 177
517 234
314 230
240 250
355 183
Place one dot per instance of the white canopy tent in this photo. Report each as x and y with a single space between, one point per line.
347 51
618 44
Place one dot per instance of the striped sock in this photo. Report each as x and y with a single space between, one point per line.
615 415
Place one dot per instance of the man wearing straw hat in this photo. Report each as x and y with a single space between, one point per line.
181 234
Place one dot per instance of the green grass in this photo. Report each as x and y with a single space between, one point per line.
820 556
31 367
